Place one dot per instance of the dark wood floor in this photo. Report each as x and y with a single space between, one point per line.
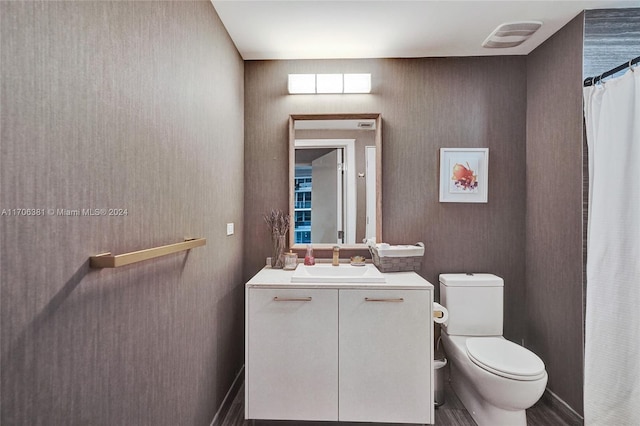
545 412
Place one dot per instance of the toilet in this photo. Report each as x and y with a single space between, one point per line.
496 380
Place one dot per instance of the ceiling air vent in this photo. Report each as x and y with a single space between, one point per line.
511 34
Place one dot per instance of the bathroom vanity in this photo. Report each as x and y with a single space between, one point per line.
331 346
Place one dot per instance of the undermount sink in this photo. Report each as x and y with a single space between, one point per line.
344 273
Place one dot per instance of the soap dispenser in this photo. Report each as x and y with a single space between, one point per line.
309 260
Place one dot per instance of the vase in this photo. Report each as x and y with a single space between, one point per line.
279 244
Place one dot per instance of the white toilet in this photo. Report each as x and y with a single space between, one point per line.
496 380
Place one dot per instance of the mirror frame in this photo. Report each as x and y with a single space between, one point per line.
292 160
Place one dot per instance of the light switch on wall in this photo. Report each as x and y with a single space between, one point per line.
230 228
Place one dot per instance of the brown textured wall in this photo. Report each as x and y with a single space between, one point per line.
425 104
133 105
554 210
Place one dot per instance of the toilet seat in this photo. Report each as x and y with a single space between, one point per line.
504 358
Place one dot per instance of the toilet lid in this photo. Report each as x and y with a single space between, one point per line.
505 358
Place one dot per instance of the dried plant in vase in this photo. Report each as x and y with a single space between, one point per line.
278 223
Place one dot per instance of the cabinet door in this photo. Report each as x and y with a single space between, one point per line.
292 354
386 354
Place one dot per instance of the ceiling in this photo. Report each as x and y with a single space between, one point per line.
308 29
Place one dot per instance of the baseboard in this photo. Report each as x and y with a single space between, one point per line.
561 407
228 398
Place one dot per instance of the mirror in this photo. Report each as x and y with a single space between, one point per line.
335 180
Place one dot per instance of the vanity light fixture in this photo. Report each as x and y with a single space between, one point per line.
329 83
357 83
302 83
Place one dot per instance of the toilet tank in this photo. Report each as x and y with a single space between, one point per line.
474 302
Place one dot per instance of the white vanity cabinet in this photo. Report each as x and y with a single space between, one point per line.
292 357
384 350
339 352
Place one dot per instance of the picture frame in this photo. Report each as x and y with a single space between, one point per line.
464 175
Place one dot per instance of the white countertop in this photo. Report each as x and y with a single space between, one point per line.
279 278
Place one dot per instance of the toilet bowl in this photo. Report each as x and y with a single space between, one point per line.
496 380
493 396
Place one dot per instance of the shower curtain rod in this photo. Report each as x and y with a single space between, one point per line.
590 81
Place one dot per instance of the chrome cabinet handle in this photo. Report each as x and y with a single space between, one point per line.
368 299
292 299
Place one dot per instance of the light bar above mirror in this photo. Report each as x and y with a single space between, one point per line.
329 83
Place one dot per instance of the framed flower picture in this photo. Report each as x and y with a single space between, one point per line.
464 175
